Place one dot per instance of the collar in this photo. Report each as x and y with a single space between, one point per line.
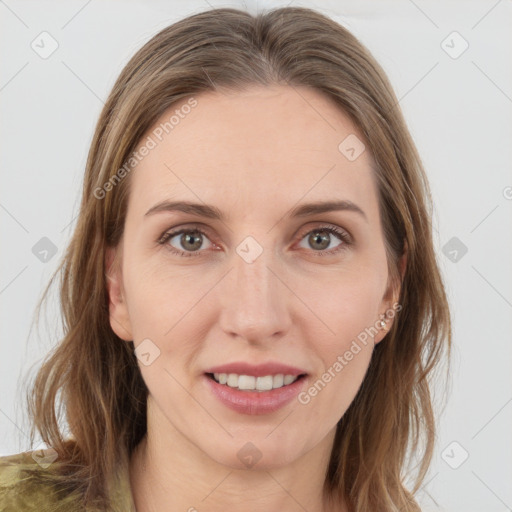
119 488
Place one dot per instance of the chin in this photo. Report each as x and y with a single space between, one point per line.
246 454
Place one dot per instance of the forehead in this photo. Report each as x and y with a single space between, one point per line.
262 148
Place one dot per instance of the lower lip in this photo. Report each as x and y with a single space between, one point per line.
255 402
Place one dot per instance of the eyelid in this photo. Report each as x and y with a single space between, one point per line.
345 233
184 228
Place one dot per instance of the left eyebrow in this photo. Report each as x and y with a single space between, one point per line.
212 212
307 209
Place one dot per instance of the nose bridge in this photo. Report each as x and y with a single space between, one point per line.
254 303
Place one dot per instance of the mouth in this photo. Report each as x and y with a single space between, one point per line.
254 395
253 383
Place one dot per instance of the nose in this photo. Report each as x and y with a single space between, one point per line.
254 300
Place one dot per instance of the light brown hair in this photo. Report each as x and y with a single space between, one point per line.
93 375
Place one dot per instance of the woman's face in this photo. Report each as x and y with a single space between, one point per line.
262 283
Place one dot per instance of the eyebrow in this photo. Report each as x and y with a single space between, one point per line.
212 212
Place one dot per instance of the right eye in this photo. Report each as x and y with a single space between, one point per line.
189 239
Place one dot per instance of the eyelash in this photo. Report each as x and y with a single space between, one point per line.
344 237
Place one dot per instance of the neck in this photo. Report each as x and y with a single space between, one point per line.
169 473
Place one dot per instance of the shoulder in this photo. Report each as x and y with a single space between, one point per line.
26 485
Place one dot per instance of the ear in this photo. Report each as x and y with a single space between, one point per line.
390 305
118 310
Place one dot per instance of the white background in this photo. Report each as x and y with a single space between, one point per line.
459 113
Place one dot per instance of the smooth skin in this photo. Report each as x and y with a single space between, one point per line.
255 155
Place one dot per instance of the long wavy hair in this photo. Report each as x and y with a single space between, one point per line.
91 378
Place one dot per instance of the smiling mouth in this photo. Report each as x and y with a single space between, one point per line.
252 383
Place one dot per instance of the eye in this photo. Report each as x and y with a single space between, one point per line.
188 239
321 237
189 242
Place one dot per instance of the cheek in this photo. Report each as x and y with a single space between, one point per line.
349 312
158 299
342 379
344 356
347 302
164 308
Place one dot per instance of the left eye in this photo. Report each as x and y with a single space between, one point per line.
192 239
323 236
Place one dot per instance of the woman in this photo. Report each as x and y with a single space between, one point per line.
248 316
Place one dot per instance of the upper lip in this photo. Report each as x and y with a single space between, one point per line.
260 370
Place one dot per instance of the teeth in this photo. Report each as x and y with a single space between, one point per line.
245 381
232 380
251 383
278 381
264 383
288 379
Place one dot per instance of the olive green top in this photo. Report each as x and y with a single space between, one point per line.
20 492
